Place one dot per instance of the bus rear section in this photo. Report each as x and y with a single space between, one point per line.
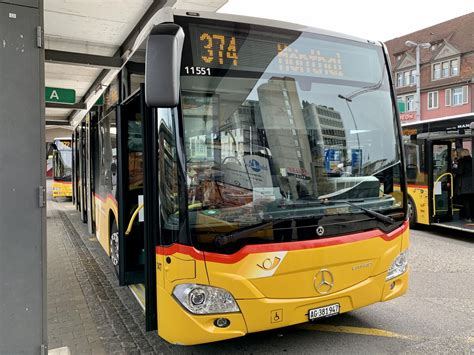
62 167
278 191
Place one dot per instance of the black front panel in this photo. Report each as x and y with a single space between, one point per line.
130 170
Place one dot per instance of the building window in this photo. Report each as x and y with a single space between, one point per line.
406 80
401 104
456 96
445 69
412 77
406 103
454 67
399 79
410 103
432 100
436 71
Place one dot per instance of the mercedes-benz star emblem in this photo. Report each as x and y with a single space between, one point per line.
323 281
320 231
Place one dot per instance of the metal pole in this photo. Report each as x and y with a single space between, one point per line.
418 98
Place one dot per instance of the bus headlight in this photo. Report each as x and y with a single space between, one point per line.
200 299
398 267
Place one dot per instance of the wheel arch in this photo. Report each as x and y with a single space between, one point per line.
413 216
112 219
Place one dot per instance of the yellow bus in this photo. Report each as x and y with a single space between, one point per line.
436 194
62 167
269 159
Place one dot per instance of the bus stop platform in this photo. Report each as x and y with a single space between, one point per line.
88 312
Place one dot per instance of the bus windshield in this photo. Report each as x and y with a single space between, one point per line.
280 129
63 160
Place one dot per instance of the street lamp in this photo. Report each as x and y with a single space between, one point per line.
417 46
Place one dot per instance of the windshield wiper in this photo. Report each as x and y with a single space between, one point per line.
232 237
344 97
372 213
363 90
228 238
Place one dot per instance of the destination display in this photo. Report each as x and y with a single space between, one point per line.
63 144
287 52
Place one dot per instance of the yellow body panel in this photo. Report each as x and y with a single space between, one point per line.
104 208
419 195
62 189
350 263
258 312
178 269
277 288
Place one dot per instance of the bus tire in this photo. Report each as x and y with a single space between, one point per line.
114 246
411 212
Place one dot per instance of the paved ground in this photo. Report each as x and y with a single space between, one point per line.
69 318
89 312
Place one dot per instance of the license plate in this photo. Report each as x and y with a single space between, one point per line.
323 312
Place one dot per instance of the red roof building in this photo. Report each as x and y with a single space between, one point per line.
447 70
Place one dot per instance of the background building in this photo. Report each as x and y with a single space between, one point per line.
285 133
447 66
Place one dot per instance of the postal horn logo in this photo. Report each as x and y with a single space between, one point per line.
268 264
324 281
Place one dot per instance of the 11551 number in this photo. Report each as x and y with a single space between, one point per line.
197 70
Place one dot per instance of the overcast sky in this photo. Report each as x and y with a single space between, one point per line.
369 19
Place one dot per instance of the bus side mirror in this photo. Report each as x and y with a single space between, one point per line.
163 64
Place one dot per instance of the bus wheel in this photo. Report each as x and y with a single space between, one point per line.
114 245
411 210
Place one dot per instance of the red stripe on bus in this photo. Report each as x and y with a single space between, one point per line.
62 182
275 247
182 249
109 197
99 197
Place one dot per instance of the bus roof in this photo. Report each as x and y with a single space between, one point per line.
464 115
267 22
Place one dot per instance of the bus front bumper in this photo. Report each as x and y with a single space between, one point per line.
61 189
178 326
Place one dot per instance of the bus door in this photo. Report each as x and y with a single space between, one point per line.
89 181
75 201
82 171
152 230
441 181
130 192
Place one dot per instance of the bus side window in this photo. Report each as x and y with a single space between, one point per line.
168 177
412 161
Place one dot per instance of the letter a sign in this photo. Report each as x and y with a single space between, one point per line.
54 95
63 96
